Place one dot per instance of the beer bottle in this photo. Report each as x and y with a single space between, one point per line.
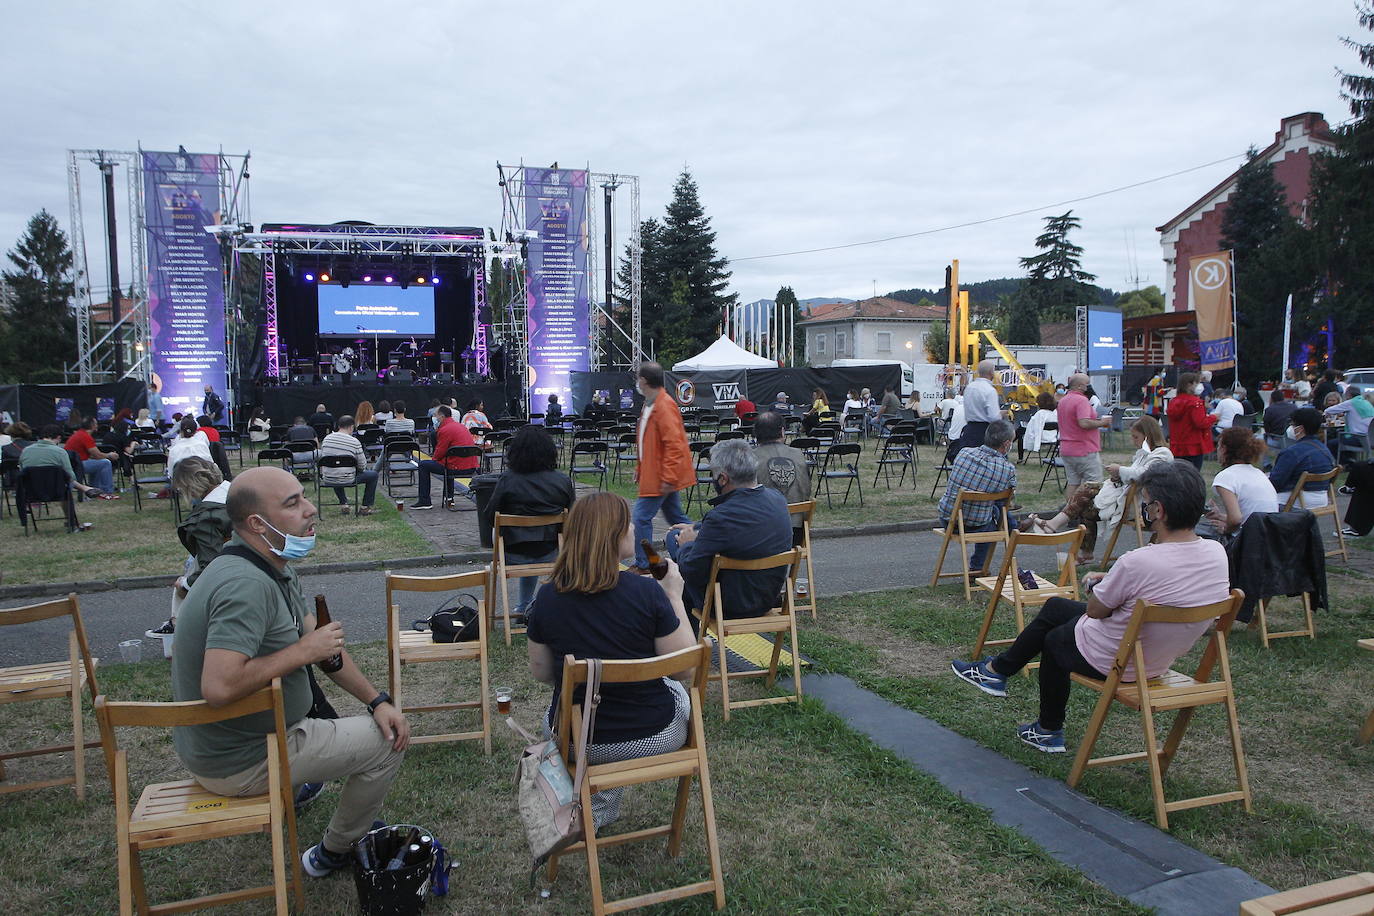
398 861
658 566
329 665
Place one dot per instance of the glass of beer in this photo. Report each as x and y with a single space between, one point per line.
503 695
400 505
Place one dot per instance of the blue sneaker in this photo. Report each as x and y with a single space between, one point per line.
981 675
1042 739
320 862
307 793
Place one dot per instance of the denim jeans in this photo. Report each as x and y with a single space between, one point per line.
645 508
369 481
980 550
428 467
527 585
99 474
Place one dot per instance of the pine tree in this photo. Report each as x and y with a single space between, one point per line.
1342 215
1056 285
40 330
1267 251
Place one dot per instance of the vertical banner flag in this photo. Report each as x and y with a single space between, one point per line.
185 289
558 317
1209 281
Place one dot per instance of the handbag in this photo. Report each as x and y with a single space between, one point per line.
452 624
550 802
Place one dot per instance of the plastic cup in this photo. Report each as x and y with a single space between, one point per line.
400 505
503 696
131 650
1062 557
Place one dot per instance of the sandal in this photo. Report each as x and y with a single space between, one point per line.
105 495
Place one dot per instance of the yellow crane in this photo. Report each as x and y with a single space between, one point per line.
963 344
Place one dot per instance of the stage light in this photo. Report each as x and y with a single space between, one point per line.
309 277
324 278
419 279
389 279
434 280
367 279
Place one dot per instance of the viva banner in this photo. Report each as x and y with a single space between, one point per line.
1209 279
559 320
185 289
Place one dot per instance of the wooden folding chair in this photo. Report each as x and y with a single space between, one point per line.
1352 895
682 765
1367 730
954 531
713 618
806 510
1330 509
407 646
1172 690
175 813
504 571
1006 585
52 680
1130 512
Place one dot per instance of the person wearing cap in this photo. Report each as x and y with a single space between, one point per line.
782 404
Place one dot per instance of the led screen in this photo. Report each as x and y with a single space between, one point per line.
1104 340
373 309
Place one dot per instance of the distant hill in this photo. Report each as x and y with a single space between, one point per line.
983 291
807 305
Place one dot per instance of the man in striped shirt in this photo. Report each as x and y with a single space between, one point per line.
343 442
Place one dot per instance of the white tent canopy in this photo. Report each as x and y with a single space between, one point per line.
724 354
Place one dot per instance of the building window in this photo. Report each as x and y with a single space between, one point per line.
884 342
820 344
839 343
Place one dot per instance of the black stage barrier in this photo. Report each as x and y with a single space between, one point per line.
283 404
585 385
37 404
762 385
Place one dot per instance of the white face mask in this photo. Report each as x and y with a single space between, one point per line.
1197 389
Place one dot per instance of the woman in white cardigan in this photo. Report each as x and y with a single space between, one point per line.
1105 503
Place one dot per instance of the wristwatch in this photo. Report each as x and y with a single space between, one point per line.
381 698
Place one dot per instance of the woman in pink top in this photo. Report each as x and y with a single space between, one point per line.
1179 570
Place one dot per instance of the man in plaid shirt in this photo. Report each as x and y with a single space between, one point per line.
984 469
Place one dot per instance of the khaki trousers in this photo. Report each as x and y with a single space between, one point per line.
322 750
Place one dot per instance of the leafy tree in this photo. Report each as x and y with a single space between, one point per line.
937 342
1342 215
1056 283
40 329
1268 254
1138 302
785 304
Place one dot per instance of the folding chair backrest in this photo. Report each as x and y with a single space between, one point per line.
503 520
338 461
50 610
43 485
1070 540
1328 478
629 671
956 517
300 447
721 564
464 451
1224 612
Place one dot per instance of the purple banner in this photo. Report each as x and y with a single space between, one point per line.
558 319
185 289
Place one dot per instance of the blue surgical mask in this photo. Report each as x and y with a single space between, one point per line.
297 547
1145 518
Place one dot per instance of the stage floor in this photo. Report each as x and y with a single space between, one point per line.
283 404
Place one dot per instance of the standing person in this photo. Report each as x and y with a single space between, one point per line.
449 434
1080 437
98 465
343 442
212 405
1190 426
783 468
245 623
155 401
981 406
665 461
530 484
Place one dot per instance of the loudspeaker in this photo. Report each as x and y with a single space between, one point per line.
471 378
334 378
302 379
442 378
396 376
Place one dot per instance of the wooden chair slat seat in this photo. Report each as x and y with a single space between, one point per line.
1352 895
954 531
1006 585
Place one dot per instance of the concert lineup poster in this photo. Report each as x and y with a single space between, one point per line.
185 289
558 316
104 408
62 408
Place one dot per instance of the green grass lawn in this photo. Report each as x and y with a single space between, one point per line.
123 542
1300 702
813 819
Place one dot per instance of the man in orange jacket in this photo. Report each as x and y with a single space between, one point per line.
665 461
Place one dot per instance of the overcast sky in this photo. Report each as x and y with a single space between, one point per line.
805 124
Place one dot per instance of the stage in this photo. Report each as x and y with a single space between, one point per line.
284 403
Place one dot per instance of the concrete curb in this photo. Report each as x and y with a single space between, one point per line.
43 589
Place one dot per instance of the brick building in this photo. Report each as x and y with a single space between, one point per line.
1197 230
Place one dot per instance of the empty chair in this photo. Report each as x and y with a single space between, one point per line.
898 450
588 459
841 463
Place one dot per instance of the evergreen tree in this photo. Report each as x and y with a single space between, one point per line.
39 336
1056 284
1267 252
1342 215
785 304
